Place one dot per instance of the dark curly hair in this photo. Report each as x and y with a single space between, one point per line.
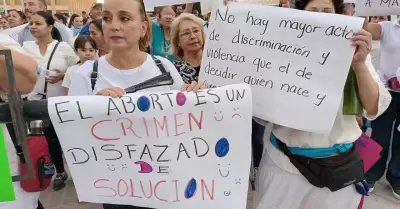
337 4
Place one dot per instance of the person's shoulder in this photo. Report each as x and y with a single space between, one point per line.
29 44
85 69
64 45
388 24
168 64
60 26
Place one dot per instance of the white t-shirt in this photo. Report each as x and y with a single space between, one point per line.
67 77
24 200
63 58
390 48
109 76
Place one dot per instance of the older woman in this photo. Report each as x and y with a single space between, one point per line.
127 32
161 31
187 42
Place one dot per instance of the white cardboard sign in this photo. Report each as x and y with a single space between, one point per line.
167 150
377 7
158 3
296 62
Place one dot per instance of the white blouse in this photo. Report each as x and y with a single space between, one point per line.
345 129
63 58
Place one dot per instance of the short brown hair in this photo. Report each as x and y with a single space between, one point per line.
145 40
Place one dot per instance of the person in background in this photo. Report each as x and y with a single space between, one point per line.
96 33
47 39
60 18
85 47
4 23
179 10
16 18
75 23
30 8
95 13
376 44
128 38
84 15
349 9
385 129
197 14
25 69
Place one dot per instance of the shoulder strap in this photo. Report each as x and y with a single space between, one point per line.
93 75
13 137
48 67
159 64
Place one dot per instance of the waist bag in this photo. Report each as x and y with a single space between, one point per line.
42 165
334 172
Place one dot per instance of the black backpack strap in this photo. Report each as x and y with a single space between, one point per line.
93 75
48 68
159 64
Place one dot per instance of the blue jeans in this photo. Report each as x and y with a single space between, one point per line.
382 129
109 206
257 142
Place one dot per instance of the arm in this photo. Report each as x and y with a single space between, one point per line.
367 89
189 8
25 69
374 28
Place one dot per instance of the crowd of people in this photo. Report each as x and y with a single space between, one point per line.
125 45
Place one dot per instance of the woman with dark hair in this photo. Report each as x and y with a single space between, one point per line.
54 57
96 33
285 183
16 18
75 23
4 23
60 18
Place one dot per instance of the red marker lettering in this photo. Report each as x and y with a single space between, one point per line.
151 190
199 123
177 125
161 126
95 185
119 188
129 127
133 190
176 191
204 187
99 138
155 191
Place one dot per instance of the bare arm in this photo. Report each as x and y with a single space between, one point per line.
25 69
374 28
189 8
367 89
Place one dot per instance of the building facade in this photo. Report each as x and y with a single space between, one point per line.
56 6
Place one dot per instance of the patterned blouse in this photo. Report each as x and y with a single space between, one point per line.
187 72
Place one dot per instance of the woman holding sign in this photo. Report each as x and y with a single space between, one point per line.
388 32
127 32
314 171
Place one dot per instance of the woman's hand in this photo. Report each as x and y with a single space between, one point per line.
194 86
114 92
360 121
55 79
362 40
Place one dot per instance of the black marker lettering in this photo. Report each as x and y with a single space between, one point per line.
111 101
129 102
182 149
321 99
111 150
80 111
62 111
73 155
163 169
128 146
154 99
161 154
196 147
324 58
210 92
198 96
147 152
169 98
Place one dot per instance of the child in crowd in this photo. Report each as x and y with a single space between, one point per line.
86 49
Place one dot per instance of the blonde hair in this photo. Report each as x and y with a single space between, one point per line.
175 49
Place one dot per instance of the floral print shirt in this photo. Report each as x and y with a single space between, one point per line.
187 72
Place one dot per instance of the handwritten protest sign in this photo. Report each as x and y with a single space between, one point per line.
262 2
296 62
168 150
377 7
6 185
157 3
